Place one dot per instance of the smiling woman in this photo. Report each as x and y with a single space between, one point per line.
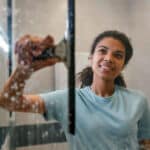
108 115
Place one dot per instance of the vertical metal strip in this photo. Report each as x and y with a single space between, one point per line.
9 33
71 65
9 36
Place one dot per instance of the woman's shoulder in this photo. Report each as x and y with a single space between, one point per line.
82 91
65 92
57 94
130 92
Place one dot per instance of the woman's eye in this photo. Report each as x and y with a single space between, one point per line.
119 56
102 51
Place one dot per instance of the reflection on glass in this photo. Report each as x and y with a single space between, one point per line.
4 48
3 42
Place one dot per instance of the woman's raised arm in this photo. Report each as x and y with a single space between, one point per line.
12 96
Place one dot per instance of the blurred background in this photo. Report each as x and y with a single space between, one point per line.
43 17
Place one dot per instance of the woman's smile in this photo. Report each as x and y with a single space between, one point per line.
105 67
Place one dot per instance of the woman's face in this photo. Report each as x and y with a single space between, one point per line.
108 59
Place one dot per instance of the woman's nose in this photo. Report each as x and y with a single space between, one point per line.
108 57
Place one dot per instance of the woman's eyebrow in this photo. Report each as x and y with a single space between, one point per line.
117 50
102 46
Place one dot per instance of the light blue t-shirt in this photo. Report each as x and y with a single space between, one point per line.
113 123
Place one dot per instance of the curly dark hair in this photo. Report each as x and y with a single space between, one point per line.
86 75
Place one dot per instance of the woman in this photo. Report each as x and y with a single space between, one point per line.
108 115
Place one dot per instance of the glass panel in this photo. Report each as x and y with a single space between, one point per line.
40 21
4 49
29 130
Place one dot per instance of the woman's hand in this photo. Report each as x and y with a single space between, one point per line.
29 47
145 144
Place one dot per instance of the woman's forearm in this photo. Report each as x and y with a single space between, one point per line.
12 96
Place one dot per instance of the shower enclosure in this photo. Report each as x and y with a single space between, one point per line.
25 131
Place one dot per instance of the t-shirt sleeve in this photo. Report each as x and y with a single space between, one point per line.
144 122
56 105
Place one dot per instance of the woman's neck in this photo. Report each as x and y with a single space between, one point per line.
103 88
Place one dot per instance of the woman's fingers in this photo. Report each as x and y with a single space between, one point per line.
22 49
44 63
33 44
44 44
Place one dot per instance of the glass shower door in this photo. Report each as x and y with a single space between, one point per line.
27 130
